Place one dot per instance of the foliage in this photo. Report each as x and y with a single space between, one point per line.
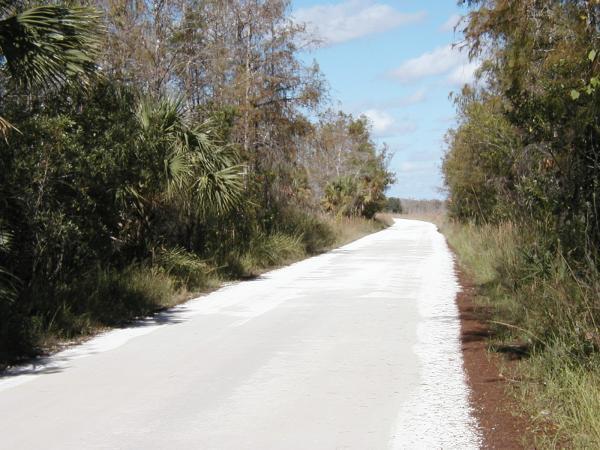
524 164
315 232
270 250
530 148
539 303
8 281
45 46
394 205
348 196
192 157
351 172
186 267
87 184
112 298
479 167
426 208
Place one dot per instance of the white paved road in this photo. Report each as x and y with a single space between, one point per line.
357 348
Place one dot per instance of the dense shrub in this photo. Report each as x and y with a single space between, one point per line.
526 146
315 233
394 205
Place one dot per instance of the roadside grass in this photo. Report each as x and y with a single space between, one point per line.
563 399
102 298
270 250
548 310
348 229
186 269
299 238
435 217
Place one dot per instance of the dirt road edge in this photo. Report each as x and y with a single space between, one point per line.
496 412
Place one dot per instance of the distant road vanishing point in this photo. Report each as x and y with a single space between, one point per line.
357 348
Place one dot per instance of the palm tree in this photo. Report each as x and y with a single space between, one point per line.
42 47
186 169
45 46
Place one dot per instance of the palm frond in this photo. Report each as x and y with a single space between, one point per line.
218 192
6 126
47 45
162 117
178 169
8 282
201 176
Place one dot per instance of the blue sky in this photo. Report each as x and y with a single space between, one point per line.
394 62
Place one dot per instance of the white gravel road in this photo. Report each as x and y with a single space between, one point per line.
357 348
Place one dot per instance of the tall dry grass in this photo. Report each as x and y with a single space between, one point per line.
348 229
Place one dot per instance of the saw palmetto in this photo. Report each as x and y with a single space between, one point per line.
46 46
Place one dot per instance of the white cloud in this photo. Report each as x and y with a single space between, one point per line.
405 127
411 167
449 24
437 62
384 124
464 74
448 60
381 121
352 19
407 167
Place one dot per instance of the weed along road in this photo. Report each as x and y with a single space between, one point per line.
357 348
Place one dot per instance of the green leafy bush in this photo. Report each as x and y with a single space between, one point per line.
315 232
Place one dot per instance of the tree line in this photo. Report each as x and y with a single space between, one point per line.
527 144
522 170
151 143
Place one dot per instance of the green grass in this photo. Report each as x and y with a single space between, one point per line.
104 298
187 269
537 299
270 250
562 398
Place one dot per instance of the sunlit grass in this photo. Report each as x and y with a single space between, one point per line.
538 300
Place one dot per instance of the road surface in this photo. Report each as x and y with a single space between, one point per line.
357 348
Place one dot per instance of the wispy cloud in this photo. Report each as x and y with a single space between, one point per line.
406 167
352 19
450 61
418 96
450 23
